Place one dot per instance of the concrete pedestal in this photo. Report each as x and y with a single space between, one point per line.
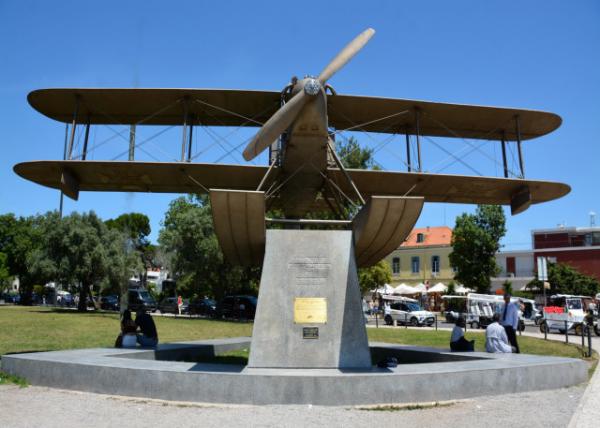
309 312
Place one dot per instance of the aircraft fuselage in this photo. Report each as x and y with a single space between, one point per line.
305 154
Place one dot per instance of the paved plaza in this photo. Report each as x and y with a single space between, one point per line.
45 407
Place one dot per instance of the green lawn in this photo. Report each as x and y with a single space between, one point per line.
27 329
441 339
30 329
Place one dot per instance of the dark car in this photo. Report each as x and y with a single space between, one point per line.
237 307
10 298
168 305
139 298
110 303
204 307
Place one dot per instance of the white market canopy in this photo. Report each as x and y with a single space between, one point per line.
438 288
461 289
421 288
405 289
386 289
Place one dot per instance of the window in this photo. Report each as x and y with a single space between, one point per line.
396 265
435 264
415 264
420 238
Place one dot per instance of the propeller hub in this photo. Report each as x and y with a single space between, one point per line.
312 86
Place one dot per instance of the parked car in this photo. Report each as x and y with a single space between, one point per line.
110 303
168 305
237 307
10 298
203 306
140 298
407 312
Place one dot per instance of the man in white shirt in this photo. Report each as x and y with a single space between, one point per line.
495 338
510 321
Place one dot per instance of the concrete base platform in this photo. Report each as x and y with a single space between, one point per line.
424 375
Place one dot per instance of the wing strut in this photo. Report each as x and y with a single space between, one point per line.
341 167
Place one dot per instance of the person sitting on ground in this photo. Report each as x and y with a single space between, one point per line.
128 337
496 340
458 343
148 336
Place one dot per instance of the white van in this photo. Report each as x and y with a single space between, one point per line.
564 307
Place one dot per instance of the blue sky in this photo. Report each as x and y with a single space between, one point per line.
532 54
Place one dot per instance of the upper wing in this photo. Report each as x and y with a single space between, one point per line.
226 107
211 107
452 188
437 119
160 177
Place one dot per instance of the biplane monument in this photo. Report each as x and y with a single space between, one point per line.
309 312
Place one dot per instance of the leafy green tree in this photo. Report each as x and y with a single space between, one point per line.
22 240
375 276
123 261
565 279
78 246
475 241
136 227
196 260
451 289
4 272
353 155
507 287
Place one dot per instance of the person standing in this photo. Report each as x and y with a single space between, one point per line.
179 304
510 321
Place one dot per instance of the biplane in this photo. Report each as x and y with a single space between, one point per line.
304 174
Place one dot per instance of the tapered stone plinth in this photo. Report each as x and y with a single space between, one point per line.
309 312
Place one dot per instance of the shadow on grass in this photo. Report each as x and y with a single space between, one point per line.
105 314
33 351
220 320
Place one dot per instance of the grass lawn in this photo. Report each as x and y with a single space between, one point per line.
34 328
441 339
30 329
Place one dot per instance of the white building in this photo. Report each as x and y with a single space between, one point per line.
516 267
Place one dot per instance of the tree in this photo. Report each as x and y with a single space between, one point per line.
136 227
375 276
507 287
451 291
354 156
565 279
78 246
4 272
475 241
123 261
22 240
196 260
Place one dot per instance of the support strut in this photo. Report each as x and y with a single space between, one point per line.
504 154
518 131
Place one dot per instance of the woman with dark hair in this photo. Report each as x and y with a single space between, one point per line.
128 336
458 343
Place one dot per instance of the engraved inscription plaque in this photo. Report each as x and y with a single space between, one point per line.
310 310
309 271
310 332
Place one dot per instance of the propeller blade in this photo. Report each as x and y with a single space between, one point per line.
275 126
346 54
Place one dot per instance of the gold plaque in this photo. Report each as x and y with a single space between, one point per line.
310 310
